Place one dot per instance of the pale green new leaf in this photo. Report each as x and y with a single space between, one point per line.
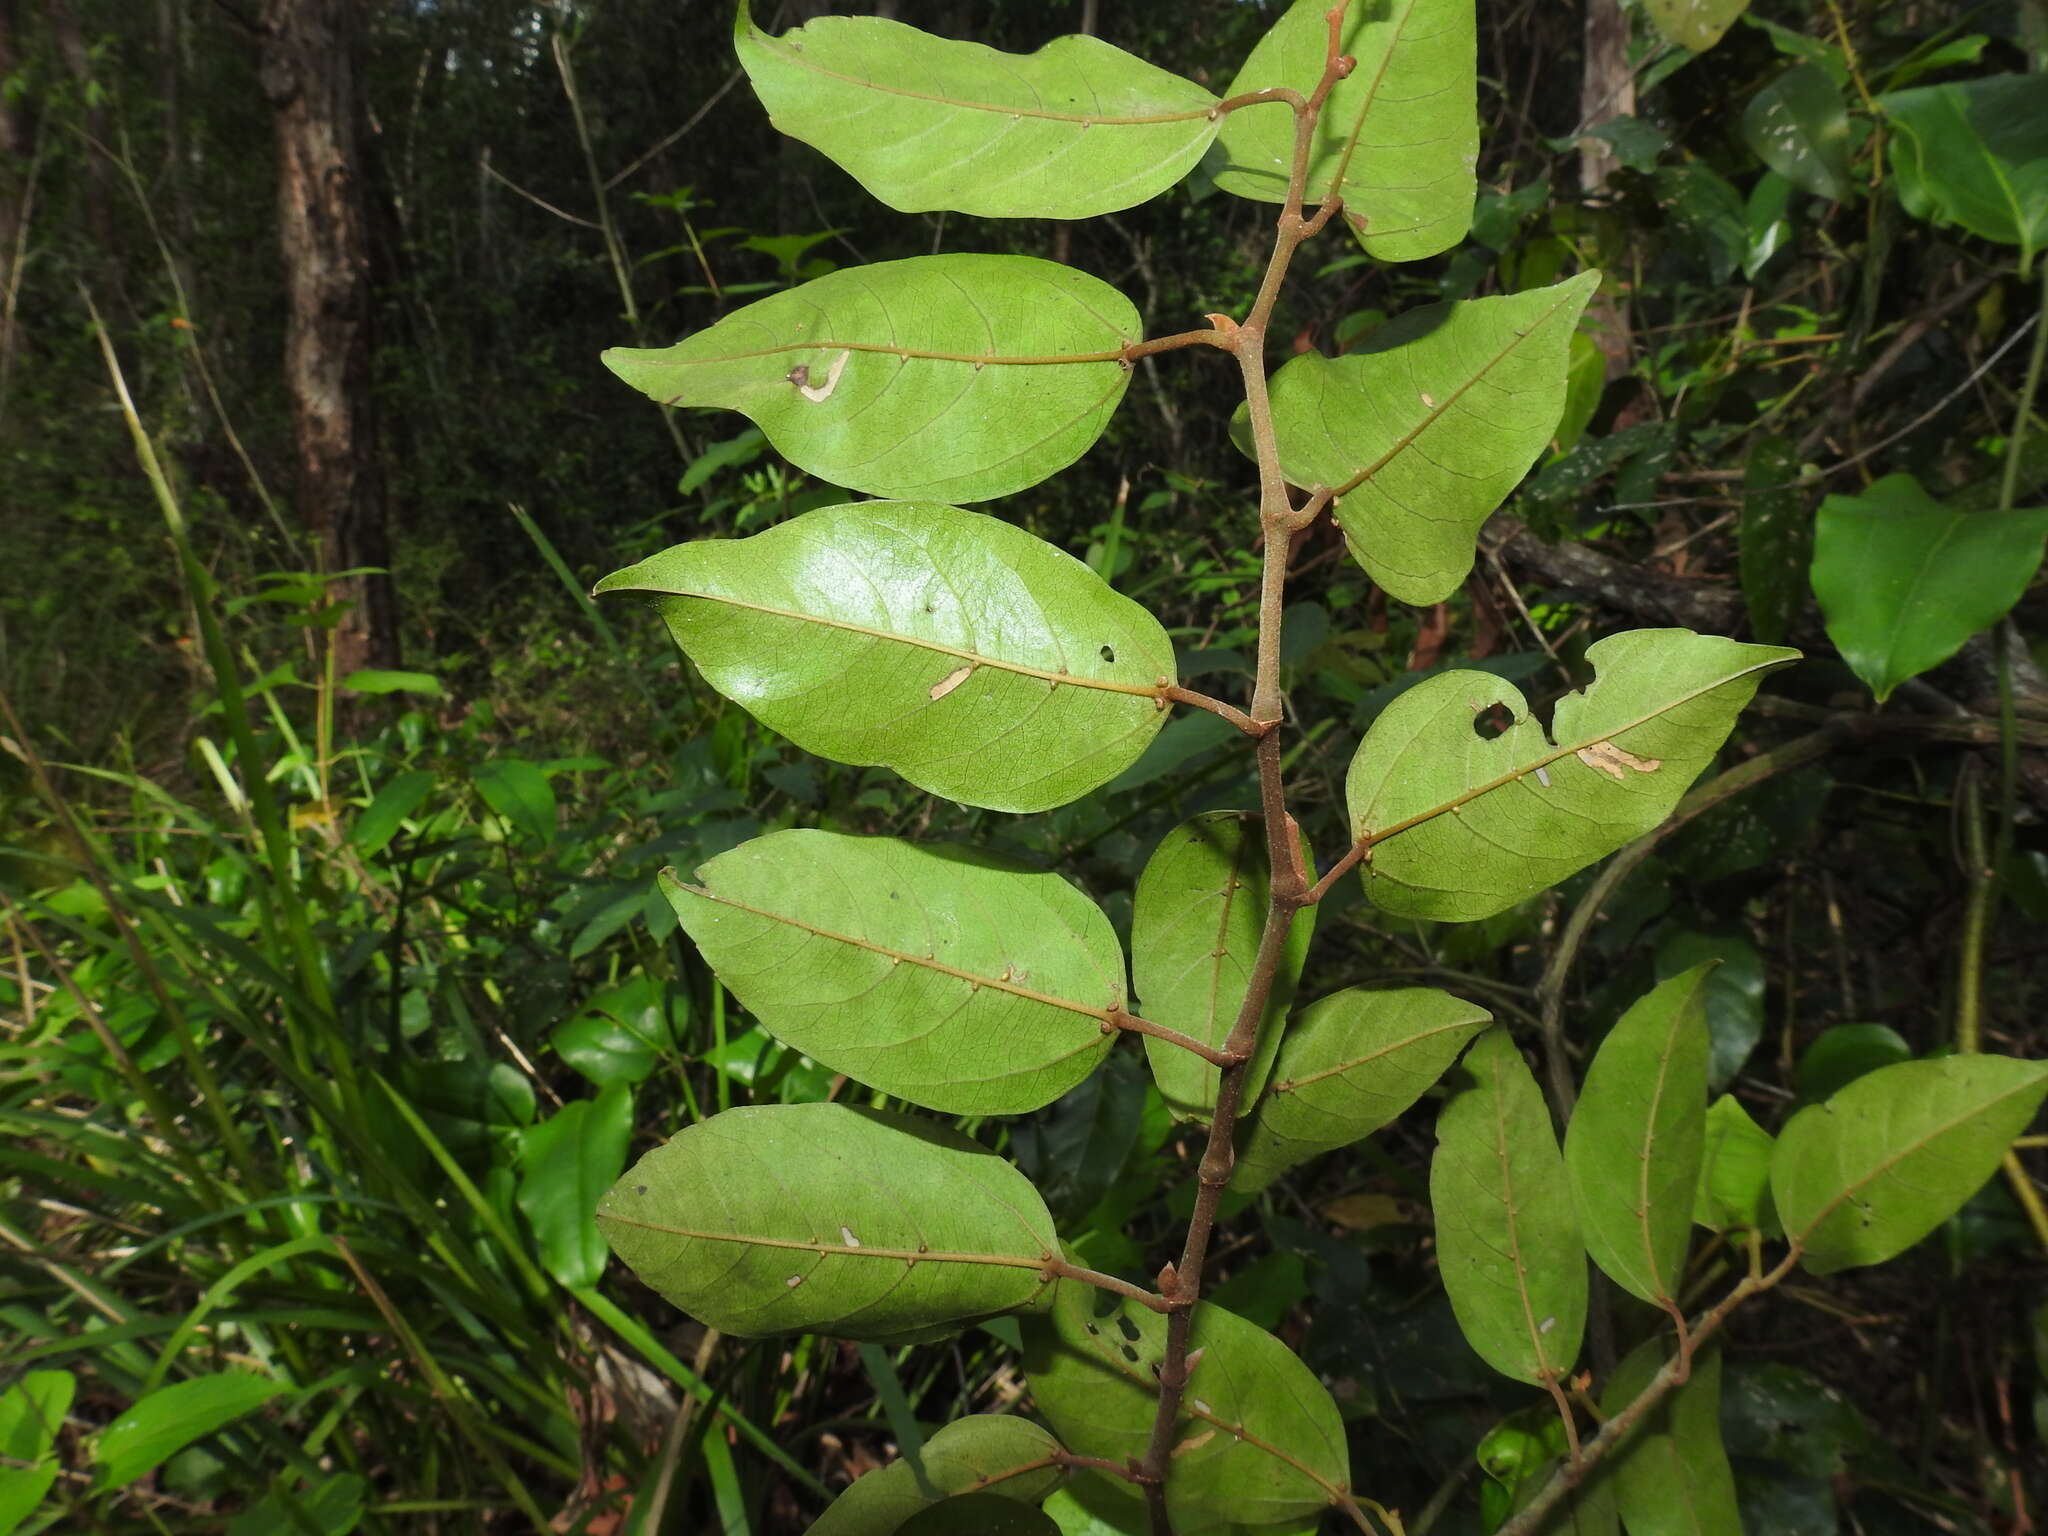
784 1218
941 975
1196 919
1076 129
979 662
1425 431
939 378
1397 139
1671 1475
1461 827
1349 1064
999 1453
1507 1237
1259 1440
163 1422
1634 1143
1896 1153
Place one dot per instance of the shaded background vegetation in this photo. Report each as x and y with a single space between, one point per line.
316 1021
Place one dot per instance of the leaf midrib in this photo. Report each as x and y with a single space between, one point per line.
837 1250
1085 119
976 659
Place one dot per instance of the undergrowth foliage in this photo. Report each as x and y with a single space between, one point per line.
989 667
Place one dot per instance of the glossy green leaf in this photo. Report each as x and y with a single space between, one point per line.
1009 1457
1398 137
1462 827
1775 540
1506 1234
939 378
1091 1506
1695 24
1896 1153
979 1514
1734 1191
1975 154
1671 1476
940 975
1903 581
1259 1439
622 1033
1798 126
979 662
565 1163
1734 993
783 1218
519 792
1634 1143
1424 430
1076 129
1844 1052
1349 1064
31 1413
1196 919
165 1421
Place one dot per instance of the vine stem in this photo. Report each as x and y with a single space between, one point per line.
1181 1283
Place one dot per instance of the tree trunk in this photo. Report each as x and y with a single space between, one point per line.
1607 90
308 70
17 192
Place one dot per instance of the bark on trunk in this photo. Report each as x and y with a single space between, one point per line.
1607 90
308 71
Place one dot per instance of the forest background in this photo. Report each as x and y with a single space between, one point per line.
317 752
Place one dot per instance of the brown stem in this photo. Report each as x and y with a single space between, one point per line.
1116 1018
1176 694
1182 1283
1066 1270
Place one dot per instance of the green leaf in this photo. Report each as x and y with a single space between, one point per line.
1798 127
1507 1237
1671 1476
1634 1144
1695 24
1735 1172
943 378
1903 581
1077 129
401 795
1196 919
565 1163
1425 429
1896 1153
1776 539
1349 1064
1010 1458
1091 1506
1462 827
1398 137
979 662
167 1420
787 1217
333 1507
1734 993
378 680
979 1514
31 1412
1975 154
518 791
1841 1054
622 1033
940 975
1259 1440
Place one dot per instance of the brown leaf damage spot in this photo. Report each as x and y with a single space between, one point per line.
1616 761
950 681
800 376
